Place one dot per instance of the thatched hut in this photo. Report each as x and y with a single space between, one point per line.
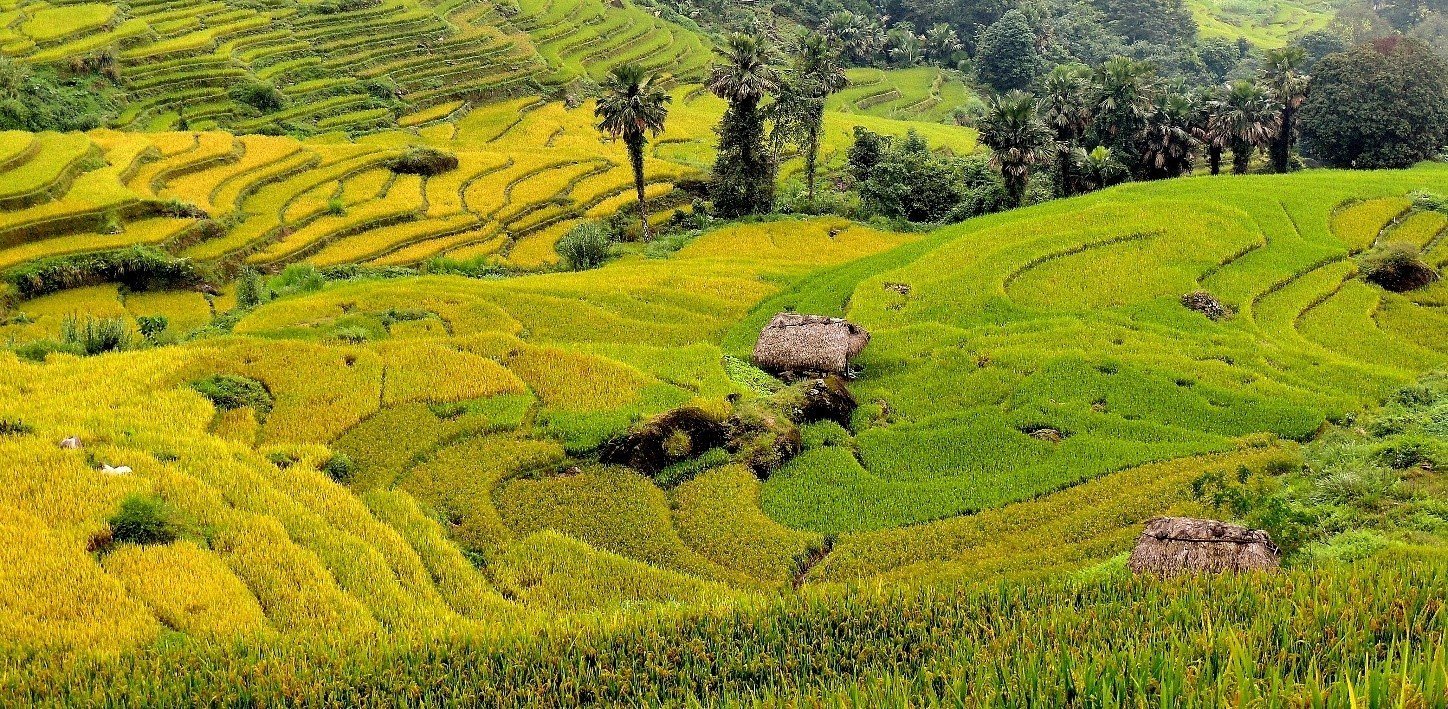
808 344
1180 545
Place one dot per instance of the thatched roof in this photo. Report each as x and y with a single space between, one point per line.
808 343
1176 545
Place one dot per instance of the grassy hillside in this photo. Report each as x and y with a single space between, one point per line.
471 507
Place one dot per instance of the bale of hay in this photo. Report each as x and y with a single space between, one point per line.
1182 545
808 344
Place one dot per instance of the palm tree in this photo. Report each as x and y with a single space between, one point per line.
1247 119
1123 101
941 42
1282 73
815 74
1208 128
743 75
1065 108
1168 145
631 106
1017 138
1099 168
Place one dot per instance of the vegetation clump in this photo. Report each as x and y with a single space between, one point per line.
139 268
423 160
585 246
92 336
1398 267
231 391
143 520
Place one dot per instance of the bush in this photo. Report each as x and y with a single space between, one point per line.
339 468
38 350
143 519
297 278
14 427
585 246
230 391
260 95
92 336
139 268
249 290
423 161
151 326
1397 267
353 334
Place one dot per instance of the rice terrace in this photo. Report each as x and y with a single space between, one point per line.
1023 353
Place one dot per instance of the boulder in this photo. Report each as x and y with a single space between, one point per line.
71 443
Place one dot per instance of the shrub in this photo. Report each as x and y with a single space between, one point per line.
249 290
14 427
96 335
230 391
139 268
1397 267
297 278
261 95
143 519
38 350
336 207
151 326
340 468
423 161
585 246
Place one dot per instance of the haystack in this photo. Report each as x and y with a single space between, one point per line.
808 344
1180 545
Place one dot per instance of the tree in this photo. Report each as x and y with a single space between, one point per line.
906 180
814 74
1006 56
743 179
905 48
1168 144
1099 168
632 107
1282 74
941 43
1383 105
1208 129
1065 108
1246 118
1123 100
1158 22
1017 138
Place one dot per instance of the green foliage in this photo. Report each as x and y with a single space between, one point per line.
41 100
14 427
1377 106
585 246
296 278
139 268
231 391
152 326
250 291
93 336
909 181
1397 266
142 520
260 95
1006 58
339 467
744 168
423 160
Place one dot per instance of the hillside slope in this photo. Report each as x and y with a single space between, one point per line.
470 406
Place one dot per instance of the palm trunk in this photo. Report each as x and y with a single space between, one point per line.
1282 143
1241 158
811 157
1063 170
635 145
1214 159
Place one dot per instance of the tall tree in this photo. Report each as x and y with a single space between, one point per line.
743 75
941 43
1282 73
814 73
1168 144
1006 57
1123 99
1065 108
632 107
1017 138
1247 119
1380 105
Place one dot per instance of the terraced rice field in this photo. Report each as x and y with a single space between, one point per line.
1265 24
529 170
374 66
